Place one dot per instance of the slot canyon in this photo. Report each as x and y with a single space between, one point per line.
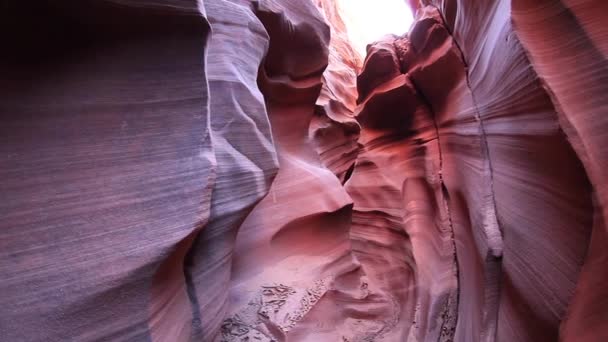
236 171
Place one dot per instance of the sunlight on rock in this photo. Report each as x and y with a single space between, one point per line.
368 21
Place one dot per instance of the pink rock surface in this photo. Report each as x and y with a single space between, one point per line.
232 170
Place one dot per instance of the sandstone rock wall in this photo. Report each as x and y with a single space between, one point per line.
231 170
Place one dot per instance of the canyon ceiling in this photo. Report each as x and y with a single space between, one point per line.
233 170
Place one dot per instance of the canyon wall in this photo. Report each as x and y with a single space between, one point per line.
501 213
232 170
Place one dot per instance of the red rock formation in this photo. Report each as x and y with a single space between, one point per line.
230 170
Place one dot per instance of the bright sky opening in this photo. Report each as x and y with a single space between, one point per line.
368 20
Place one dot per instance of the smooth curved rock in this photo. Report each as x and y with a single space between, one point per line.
231 170
107 169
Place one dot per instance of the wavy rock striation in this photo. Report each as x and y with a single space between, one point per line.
232 170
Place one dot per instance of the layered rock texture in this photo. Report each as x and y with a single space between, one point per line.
232 170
